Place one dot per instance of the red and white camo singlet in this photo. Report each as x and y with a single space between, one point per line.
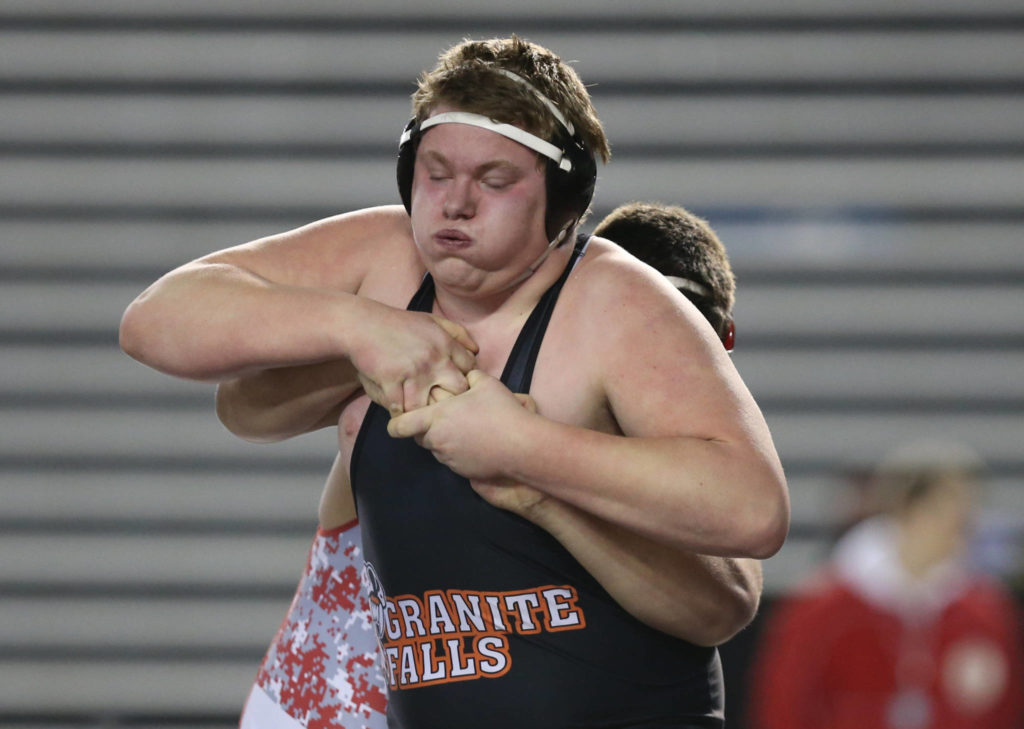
321 670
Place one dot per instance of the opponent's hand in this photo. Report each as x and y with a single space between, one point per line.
511 496
471 433
404 354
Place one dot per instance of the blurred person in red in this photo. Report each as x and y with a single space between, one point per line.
896 631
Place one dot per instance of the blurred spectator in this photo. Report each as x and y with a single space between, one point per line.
897 632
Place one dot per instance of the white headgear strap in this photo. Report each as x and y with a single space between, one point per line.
525 138
514 133
692 286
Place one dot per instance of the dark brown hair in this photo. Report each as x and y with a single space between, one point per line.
677 243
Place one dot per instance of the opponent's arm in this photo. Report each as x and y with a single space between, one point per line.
282 402
699 598
702 599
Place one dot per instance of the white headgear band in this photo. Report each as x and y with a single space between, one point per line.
691 286
525 138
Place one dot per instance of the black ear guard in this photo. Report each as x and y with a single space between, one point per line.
569 192
409 143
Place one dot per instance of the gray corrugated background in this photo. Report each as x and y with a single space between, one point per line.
864 164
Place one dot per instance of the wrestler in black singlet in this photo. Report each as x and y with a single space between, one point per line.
557 651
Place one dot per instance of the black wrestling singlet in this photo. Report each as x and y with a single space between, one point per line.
484 619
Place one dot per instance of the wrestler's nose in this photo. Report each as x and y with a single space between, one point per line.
460 200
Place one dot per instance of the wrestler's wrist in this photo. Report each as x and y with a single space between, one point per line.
522 440
355 320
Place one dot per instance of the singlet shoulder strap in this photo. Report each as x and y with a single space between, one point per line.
423 299
518 371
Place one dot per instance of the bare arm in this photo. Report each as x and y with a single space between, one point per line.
279 403
263 304
692 494
726 506
693 468
702 599
296 299
699 598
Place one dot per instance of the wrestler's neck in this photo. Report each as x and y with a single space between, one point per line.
508 303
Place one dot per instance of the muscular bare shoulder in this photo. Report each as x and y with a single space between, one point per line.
340 252
653 357
618 294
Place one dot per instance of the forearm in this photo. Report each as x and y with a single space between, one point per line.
695 495
702 599
279 403
716 497
211 321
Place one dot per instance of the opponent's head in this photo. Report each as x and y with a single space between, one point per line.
527 93
685 249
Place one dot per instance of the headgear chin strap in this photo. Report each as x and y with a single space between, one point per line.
532 268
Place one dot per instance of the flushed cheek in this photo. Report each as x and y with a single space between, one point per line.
517 209
427 202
